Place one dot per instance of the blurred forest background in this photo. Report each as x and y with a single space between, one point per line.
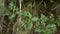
29 16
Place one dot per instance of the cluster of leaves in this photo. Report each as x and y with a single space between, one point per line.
12 10
42 25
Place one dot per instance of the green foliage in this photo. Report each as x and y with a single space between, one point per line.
51 19
43 18
43 25
12 10
1 6
40 27
35 19
58 20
